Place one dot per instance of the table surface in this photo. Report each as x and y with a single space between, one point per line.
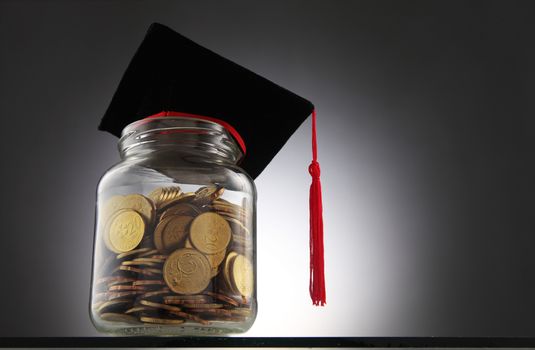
309 342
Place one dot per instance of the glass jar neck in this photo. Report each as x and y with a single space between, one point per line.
175 136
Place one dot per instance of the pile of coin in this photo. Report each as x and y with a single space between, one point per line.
173 257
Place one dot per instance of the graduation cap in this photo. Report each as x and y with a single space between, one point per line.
170 75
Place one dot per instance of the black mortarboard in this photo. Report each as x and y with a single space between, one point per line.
169 72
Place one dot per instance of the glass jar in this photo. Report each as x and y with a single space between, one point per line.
175 233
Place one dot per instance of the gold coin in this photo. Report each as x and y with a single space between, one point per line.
226 269
234 219
242 276
163 195
186 197
187 297
142 205
112 279
182 199
223 297
240 227
218 193
202 306
122 295
139 263
152 260
175 232
130 269
111 209
149 253
190 317
116 317
224 312
240 238
183 301
232 216
239 319
158 233
241 311
121 287
230 209
133 252
206 195
240 242
107 228
148 283
242 246
156 293
223 201
159 320
187 271
137 309
160 256
126 231
181 209
121 281
135 202
96 304
145 271
210 233
111 206
113 305
225 216
159 306
155 195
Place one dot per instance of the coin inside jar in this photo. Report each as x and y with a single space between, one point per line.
175 232
140 204
181 209
242 276
139 251
205 195
163 195
126 231
187 271
117 317
210 233
158 233
161 320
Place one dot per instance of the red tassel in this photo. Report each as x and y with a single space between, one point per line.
317 275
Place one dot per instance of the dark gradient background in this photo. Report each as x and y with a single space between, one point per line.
426 134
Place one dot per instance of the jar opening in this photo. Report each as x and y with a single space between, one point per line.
179 132
223 123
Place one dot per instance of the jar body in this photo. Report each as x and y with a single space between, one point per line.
175 243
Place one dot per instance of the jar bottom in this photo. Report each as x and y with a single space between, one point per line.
217 328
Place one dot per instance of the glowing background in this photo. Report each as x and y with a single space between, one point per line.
426 138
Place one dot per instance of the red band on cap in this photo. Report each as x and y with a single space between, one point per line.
224 124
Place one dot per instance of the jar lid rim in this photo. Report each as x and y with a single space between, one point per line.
223 123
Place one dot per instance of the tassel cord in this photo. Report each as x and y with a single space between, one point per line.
317 274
